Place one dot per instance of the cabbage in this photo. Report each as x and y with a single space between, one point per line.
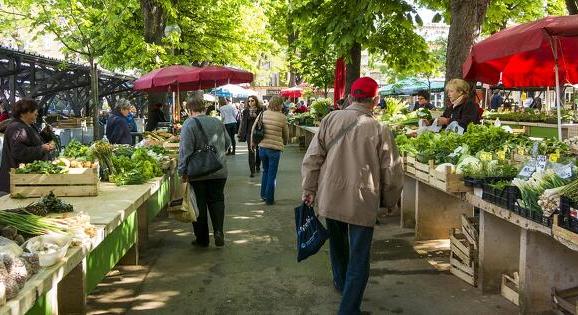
473 162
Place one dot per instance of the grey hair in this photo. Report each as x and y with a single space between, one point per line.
122 104
196 102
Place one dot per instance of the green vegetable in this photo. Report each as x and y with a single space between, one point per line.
76 150
41 167
32 224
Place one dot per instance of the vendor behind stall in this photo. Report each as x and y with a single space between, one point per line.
462 108
155 116
117 129
22 141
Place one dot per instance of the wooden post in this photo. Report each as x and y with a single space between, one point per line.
71 291
408 202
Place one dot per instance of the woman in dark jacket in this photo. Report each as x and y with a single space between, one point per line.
154 117
248 117
117 129
462 108
22 141
209 190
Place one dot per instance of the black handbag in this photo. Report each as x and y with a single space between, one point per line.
259 130
204 160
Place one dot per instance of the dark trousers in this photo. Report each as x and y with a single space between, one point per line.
349 250
210 196
254 159
232 130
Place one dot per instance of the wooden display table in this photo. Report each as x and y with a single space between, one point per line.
430 210
511 243
121 216
543 130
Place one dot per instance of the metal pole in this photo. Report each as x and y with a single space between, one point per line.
556 72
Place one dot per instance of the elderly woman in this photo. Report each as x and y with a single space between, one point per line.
462 109
270 148
117 128
22 141
209 189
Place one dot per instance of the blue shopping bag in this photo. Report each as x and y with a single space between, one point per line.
311 234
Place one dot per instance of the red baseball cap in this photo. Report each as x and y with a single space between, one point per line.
364 87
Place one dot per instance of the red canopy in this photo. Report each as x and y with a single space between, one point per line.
180 77
339 83
292 92
164 78
523 55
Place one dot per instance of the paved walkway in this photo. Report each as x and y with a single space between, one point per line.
257 273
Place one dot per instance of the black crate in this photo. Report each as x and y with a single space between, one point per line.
505 198
567 221
472 182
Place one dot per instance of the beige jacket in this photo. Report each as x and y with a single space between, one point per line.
360 172
276 130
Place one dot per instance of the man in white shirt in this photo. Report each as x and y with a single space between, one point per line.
229 115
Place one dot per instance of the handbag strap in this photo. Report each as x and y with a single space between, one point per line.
203 134
341 134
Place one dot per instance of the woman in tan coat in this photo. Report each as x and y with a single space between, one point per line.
270 148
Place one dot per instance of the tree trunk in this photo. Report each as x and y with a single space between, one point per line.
572 6
154 21
353 67
467 19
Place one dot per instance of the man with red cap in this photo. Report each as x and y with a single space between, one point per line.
351 168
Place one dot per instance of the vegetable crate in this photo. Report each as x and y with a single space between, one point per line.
566 300
560 231
510 288
463 257
79 182
448 181
422 171
410 164
505 198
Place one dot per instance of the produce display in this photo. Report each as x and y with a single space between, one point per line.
531 115
527 177
161 136
41 167
15 270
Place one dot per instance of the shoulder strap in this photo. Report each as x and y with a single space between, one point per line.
341 134
203 134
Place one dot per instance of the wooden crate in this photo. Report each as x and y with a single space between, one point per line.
463 257
448 181
470 227
561 234
566 300
510 289
410 164
422 171
78 183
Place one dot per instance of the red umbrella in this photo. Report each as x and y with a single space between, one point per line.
213 76
292 92
180 77
339 83
537 54
167 78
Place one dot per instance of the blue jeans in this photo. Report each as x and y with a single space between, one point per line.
270 160
349 250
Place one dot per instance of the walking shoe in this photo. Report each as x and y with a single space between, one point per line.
219 239
252 174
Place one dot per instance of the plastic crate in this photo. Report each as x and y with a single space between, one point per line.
567 215
505 198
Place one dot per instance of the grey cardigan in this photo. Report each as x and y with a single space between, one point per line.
191 138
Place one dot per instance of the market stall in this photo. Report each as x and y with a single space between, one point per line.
115 219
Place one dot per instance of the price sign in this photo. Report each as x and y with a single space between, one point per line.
541 163
528 170
501 155
554 157
486 156
521 151
565 171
